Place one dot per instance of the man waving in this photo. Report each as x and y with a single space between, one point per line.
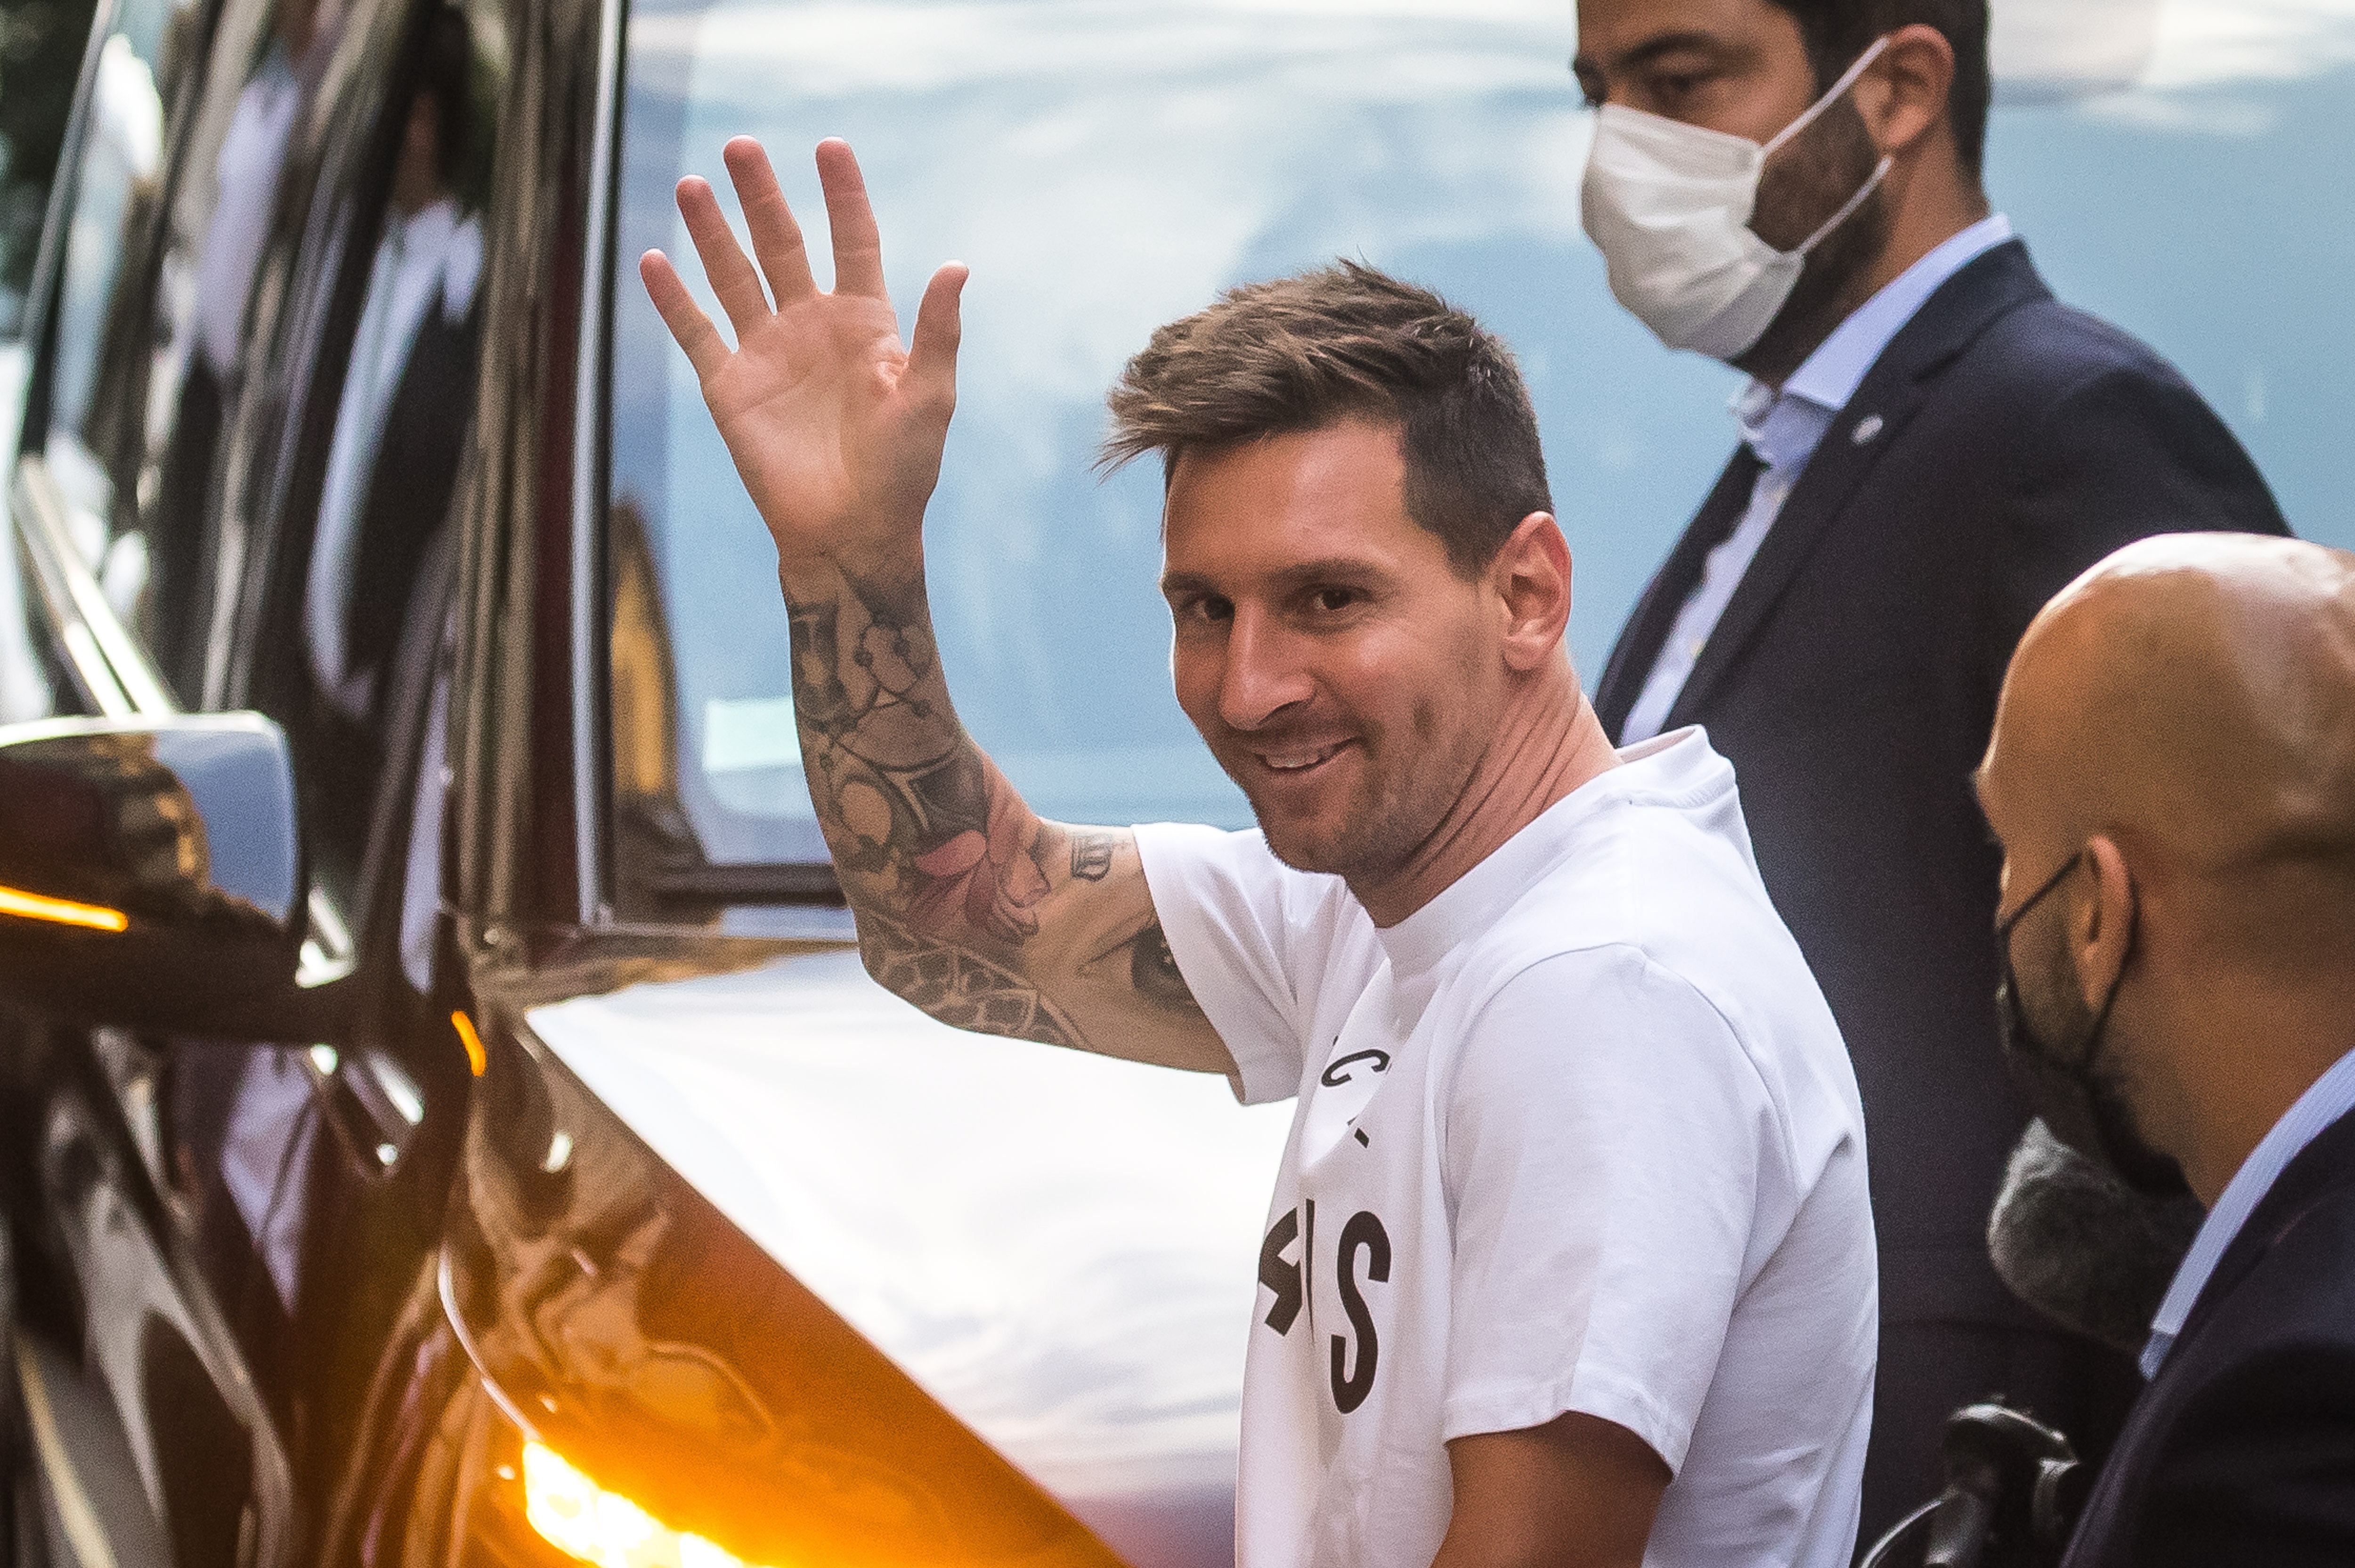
1570 1259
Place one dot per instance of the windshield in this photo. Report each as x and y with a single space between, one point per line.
1105 166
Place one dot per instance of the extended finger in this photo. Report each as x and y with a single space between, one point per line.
777 236
724 261
706 350
858 244
940 324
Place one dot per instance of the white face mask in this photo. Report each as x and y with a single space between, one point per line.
1670 206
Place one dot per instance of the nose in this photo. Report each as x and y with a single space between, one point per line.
1262 675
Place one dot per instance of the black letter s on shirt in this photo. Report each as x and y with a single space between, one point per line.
1364 1230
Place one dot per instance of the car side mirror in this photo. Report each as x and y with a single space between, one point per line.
151 874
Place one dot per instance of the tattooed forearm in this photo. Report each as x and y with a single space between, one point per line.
961 988
969 905
919 823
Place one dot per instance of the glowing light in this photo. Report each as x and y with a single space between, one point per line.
62 912
582 1520
476 1056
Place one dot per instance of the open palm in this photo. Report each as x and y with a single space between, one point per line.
836 428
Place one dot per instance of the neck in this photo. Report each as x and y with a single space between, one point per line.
1548 746
2245 1060
1928 200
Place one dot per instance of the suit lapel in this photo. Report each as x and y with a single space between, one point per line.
1647 633
1899 382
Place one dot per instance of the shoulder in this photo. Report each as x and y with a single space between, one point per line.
2052 341
2068 403
1604 1037
1614 987
2044 360
1608 1032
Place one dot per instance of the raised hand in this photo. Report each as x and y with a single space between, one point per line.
836 428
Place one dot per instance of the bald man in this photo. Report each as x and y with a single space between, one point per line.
2172 779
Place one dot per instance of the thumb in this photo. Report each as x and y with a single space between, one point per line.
931 355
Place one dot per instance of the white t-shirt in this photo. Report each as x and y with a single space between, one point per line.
1579 1135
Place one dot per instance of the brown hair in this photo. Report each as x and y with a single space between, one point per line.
1342 342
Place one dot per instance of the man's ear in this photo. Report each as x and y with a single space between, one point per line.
2102 930
1902 97
1531 579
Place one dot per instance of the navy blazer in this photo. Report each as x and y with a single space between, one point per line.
2241 1451
2002 443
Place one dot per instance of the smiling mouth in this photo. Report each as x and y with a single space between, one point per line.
1298 762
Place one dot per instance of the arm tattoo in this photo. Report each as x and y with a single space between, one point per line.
944 864
1092 855
1153 970
916 818
959 988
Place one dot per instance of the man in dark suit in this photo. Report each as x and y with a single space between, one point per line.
1932 446
2172 777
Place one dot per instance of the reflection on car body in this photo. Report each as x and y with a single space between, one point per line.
570 1192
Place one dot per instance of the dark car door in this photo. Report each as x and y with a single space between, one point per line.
219 1232
119 1326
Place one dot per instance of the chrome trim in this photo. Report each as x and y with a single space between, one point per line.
447 1290
116 676
118 681
589 431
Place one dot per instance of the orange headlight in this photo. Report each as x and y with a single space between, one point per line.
582 1520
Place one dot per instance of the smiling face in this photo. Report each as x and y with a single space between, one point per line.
1341 671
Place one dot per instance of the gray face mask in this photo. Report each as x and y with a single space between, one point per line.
2078 1103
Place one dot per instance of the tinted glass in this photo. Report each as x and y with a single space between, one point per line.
391 402
40 53
1105 169
118 181
152 306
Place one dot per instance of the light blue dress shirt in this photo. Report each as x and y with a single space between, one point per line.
1784 430
2331 1097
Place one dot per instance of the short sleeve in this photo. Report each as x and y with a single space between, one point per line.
1250 935
1609 1151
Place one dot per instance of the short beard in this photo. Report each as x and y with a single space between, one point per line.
2073 1025
1824 169
1391 830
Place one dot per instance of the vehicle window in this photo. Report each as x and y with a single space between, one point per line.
118 183
150 321
41 45
395 383
1106 169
